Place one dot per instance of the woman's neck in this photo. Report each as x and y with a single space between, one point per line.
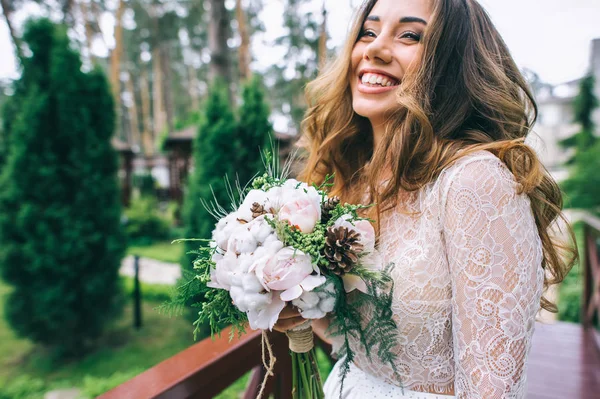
378 133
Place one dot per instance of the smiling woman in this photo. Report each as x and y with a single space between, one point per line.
425 114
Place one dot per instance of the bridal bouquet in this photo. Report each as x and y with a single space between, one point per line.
286 243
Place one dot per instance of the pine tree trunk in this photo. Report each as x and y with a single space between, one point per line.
244 49
115 58
133 112
166 87
115 66
89 32
193 87
7 11
147 131
159 114
218 33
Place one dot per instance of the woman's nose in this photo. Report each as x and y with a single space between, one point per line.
379 50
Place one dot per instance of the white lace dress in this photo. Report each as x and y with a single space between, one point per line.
468 282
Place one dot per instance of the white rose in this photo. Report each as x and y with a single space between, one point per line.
302 211
362 227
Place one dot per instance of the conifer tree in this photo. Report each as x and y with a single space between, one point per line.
60 230
214 158
583 108
583 185
254 130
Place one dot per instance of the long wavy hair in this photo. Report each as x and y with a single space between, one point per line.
466 94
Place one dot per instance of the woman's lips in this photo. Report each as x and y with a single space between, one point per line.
363 88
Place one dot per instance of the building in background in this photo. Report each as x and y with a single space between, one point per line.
556 116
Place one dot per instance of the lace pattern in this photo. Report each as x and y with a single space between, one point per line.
468 281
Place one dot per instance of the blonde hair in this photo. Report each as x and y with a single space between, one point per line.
466 95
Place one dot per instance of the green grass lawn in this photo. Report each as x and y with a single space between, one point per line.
122 350
122 354
163 251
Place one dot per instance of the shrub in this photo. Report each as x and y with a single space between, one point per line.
143 222
61 241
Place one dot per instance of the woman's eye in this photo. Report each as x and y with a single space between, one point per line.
411 35
368 33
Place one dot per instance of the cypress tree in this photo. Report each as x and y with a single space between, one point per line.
583 185
60 235
254 131
214 158
583 108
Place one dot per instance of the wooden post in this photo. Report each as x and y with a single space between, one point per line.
137 295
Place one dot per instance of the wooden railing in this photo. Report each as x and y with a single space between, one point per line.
208 367
591 279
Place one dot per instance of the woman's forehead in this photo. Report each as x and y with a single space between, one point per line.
397 9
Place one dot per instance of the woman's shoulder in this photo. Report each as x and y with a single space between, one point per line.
473 167
478 172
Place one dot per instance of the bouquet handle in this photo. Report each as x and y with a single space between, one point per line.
301 338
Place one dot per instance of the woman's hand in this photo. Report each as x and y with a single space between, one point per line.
288 319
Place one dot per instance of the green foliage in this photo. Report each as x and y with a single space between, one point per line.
60 235
150 292
144 183
254 130
214 158
164 251
570 293
23 387
380 332
583 108
96 386
582 188
144 223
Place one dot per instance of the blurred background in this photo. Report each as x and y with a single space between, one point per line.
119 115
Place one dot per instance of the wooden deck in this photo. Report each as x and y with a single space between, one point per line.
564 363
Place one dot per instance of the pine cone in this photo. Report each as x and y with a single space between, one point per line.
257 210
342 249
328 207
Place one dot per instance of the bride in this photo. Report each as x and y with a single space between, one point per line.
424 113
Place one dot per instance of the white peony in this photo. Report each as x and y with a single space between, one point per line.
302 211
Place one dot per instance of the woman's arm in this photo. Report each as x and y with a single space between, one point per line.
495 255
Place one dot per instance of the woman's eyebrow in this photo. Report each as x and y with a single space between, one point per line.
403 20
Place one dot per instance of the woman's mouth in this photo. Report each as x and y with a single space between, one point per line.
377 80
374 83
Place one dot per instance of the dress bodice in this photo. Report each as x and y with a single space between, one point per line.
468 280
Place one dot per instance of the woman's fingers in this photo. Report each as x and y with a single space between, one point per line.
288 312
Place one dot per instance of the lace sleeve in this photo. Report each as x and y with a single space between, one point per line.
494 255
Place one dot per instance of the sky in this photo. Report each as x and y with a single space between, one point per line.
550 37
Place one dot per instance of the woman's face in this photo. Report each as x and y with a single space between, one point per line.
387 45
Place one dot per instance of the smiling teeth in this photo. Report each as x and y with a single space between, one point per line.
375 79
